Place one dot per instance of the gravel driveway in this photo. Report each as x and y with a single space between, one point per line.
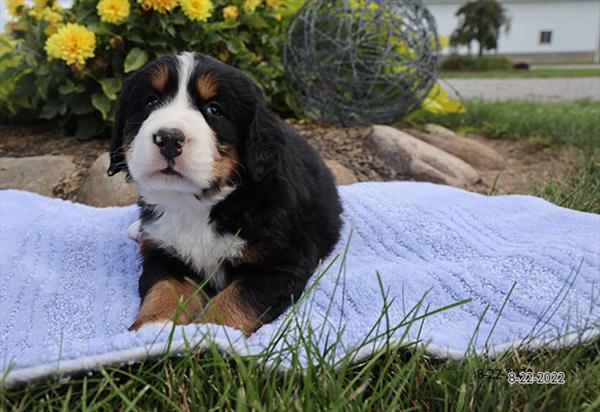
550 90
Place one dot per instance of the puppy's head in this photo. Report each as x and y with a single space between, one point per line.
192 124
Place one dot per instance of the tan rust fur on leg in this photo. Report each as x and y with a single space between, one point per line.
170 298
227 309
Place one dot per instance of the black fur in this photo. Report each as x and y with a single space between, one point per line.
285 203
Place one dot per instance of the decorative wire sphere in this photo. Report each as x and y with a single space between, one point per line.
358 62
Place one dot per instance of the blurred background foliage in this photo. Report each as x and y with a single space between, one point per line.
68 64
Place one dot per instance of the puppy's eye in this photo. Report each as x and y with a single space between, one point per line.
151 101
214 109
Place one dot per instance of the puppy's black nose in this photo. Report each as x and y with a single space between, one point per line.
170 142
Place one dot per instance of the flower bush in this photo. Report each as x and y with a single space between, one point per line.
69 63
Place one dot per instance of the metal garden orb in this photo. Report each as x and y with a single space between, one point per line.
361 61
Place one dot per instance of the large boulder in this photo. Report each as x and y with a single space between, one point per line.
471 151
98 189
343 175
414 159
40 174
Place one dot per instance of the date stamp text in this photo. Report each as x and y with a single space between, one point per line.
523 377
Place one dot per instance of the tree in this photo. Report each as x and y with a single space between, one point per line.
480 20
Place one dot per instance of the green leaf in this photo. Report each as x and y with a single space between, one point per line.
222 25
99 29
49 110
42 84
102 103
111 86
62 107
87 126
69 88
80 104
135 59
136 38
234 45
255 21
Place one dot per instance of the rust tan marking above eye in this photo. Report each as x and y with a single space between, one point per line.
159 78
207 86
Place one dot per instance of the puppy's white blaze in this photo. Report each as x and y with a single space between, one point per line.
184 225
196 160
183 222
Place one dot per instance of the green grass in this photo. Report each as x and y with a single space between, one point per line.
394 378
389 381
575 123
571 123
521 74
580 191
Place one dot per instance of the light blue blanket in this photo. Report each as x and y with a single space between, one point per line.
69 274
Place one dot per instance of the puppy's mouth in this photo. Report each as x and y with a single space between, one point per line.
170 171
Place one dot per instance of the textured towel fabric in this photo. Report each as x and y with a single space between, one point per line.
69 276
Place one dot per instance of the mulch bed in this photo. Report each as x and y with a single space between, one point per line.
529 164
346 145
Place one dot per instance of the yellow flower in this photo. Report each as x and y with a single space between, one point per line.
40 4
51 15
224 55
444 41
199 10
273 4
54 19
372 6
14 7
439 102
250 5
278 17
231 13
113 11
72 43
161 6
36 13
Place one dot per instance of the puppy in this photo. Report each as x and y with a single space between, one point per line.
237 209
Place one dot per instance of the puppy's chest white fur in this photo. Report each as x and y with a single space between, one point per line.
189 231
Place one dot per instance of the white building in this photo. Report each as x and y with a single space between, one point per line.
540 31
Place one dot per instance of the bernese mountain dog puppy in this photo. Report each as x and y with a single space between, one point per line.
237 209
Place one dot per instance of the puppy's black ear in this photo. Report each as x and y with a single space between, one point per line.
117 155
265 145
117 151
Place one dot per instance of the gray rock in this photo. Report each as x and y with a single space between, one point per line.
98 189
343 175
415 159
471 151
40 174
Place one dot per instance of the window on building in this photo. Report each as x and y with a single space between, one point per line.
546 37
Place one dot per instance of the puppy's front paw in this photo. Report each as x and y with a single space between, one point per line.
169 300
134 230
165 323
